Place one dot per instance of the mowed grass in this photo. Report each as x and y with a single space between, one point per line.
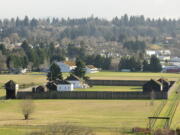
23 79
112 88
132 75
97 114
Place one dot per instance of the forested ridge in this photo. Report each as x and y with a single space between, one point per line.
117 29
35 43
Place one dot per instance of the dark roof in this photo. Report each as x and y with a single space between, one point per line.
10 85
157 82
61 82
162 80
40 87
73 78
11 82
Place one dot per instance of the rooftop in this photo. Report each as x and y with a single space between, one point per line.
91 66
61 82
70 63
73 78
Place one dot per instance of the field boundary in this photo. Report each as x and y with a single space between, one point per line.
117 82
91 95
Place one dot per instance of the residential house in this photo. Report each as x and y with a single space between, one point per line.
66 66
164 58
151 52
175 59
165 52
91 69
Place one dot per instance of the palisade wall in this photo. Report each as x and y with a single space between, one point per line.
91 95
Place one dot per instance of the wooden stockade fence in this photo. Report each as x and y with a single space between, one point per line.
117 82
91 95
120 82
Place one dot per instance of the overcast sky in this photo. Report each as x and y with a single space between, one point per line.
84 8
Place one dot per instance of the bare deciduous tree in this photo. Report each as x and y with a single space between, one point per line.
27 108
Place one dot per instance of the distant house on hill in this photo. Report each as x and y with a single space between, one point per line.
152 85
76 81
19 71
166 84
66 66
91 69
164 58
151 52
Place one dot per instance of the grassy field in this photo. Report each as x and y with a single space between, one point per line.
112 88
132 76
97 114
23 79
41 77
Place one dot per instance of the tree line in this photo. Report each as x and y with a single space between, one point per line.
118 29
42 55
136 64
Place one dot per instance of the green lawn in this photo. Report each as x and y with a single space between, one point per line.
132 76
112 88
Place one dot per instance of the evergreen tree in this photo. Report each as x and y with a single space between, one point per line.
54 73
155 65
80 69
145 66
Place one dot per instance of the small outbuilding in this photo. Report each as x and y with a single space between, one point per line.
153 85
91 69
40 89
11 89
166 84
51 86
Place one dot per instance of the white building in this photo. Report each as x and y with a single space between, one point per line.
165 52
151 52
64 86
76 81
175 59
91 69
66 66
158 52
164 58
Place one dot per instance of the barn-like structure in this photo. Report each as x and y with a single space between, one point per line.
153 85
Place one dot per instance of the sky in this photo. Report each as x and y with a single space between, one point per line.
84 8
